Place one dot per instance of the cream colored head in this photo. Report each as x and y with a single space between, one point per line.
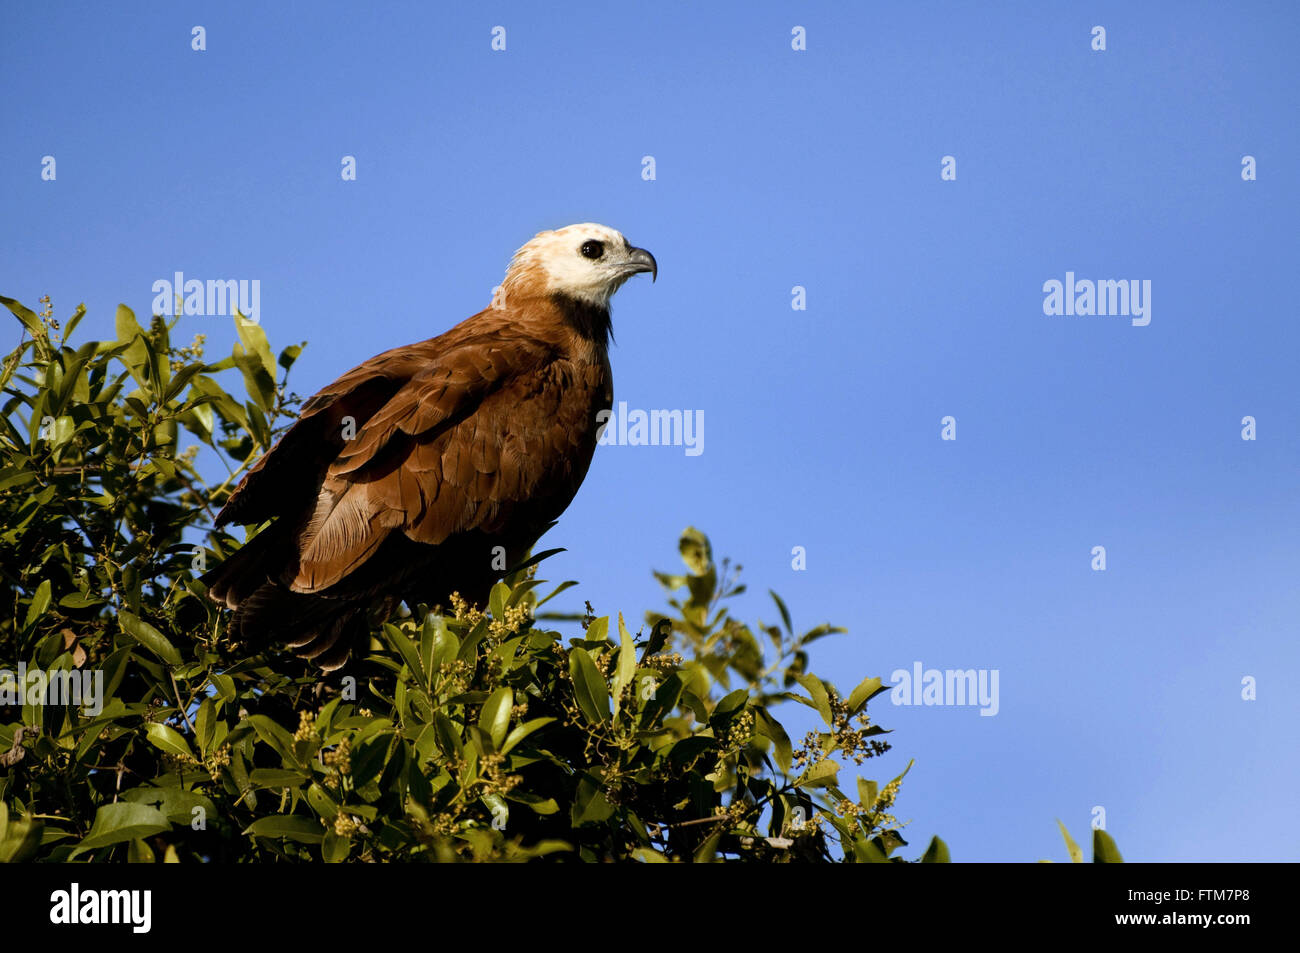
587 262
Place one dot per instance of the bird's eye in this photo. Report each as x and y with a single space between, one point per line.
592 249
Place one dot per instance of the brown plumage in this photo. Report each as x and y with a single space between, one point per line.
429 468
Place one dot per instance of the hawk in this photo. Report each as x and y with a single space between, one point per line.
430 468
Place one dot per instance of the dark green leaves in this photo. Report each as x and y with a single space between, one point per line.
149 637
936 853
20 837
123 821
304 830
253 358
626 664
1104 850
820 698
168 739
494 718
589 688
27 316
866 690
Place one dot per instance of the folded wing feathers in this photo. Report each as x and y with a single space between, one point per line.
454 449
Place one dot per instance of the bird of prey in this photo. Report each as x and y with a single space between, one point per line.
431 468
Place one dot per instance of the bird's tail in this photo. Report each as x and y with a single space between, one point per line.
260 560
250 581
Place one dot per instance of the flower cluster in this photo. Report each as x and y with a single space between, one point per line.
456 675
516 619
664 663
46 313
180 356
739 732
463 611
852 742
339 760
216 761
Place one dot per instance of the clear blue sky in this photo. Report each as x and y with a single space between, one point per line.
818 168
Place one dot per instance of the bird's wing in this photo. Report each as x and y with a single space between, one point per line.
274 486
493 423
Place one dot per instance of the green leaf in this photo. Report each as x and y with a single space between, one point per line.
707 851
122 821
867 689
667 693
80 600
225 686
590 805
521 732
176 803
428 643
407 650
731 702
252 356
73 321
257 424
448 736
536 803
305 830
136 353
205 725
1076 855
821 700
274 735
819 775
253 338
494 718
290 354
598 631
936 853
567 584
276 778
868 853
334 849
149 637
782 749
40 602
683 753
695 550
20 837
27 316
497 601
589 686
182 378
165 738
868 791
785 613
446 646
1104 850
663 628
626 669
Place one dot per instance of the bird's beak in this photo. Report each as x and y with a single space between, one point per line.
639 260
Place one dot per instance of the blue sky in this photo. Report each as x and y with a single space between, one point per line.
818 168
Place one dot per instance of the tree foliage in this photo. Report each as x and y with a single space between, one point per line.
499 732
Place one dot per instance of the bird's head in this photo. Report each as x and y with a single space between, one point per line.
585 262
